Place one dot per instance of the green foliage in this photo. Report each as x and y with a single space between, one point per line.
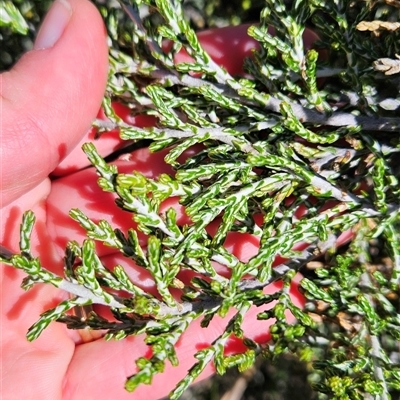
19 20
11 17
270 144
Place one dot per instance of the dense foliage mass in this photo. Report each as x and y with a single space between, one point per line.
268 145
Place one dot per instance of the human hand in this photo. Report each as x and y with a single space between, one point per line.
45 116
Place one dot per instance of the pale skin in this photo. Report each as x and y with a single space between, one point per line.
44 118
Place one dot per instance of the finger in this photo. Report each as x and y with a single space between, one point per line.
229 46
114 360
80 190
51 95
40 365
106 144
215 43
11 215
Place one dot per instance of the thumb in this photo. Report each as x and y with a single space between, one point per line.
52 94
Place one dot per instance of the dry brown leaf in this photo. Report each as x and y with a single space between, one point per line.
378 25
394 3
388 65
315 264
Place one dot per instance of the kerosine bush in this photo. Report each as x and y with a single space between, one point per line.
302 149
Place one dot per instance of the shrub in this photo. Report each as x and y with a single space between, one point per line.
301 150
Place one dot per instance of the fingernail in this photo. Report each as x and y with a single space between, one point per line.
53 25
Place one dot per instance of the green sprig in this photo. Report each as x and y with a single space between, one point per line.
280 158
